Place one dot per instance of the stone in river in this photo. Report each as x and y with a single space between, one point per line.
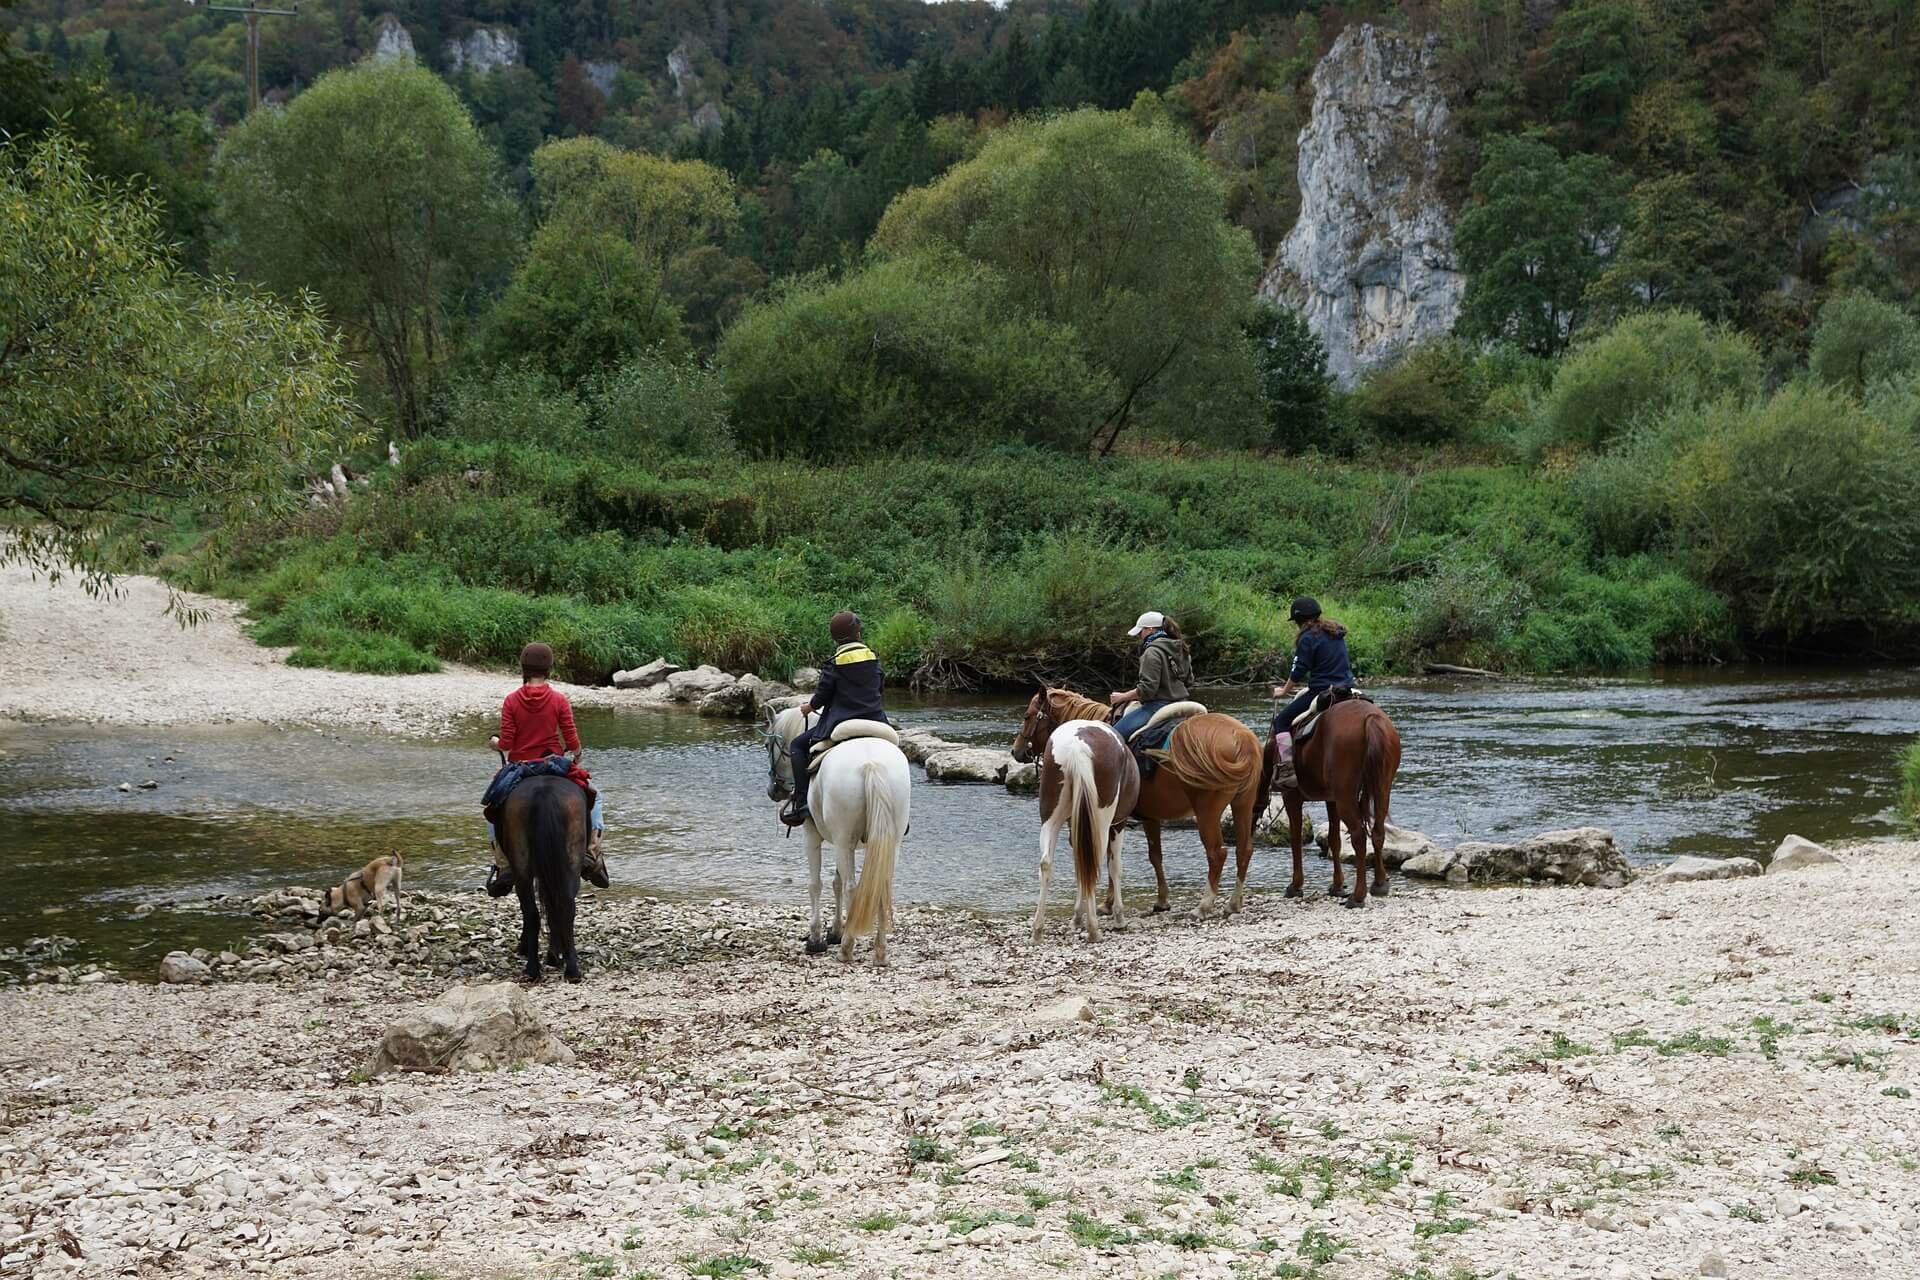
1796 853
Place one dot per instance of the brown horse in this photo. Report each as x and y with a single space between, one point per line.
544 829
1088 784
1213 762
1349 762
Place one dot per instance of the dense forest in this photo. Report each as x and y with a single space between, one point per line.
707 318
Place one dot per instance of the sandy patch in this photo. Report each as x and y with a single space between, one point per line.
120 660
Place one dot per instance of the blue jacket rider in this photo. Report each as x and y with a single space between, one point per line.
849 689
1319 658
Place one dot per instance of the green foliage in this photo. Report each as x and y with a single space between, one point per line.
1114 231
310 198
1675 253
130 390
915 354
1431 395
1642 367
1910 781
1294 391
1534 241
656 403
578 304
1860 341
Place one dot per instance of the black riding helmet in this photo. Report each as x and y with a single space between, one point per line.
1305 609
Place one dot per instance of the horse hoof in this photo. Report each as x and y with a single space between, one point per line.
1294 891
1380 890
816 948
1158 907
833 937
1356 904
553 959
573 973
1337 891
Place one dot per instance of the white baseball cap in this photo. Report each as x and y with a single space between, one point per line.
1149 621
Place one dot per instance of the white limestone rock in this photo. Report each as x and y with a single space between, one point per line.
1685 869
1797 853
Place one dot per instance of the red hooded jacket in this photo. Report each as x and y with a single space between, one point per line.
536 721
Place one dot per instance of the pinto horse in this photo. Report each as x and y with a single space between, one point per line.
544 830
1088 783
1213 762
1349 762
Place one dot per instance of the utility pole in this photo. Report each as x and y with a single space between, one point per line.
253 14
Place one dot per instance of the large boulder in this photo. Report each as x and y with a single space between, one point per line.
692 686
469 1029
655 672
1400 844
1582 856
967 764
741 699
1684 869
1797 853
806 679
180 967
1022 778
1439 864
917 744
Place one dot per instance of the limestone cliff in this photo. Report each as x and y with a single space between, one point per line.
1370 261
484 49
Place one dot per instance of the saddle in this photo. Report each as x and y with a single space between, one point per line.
512 775
1306 721
1149 741
847 731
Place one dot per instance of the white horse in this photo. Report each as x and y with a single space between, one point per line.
1088 784
861 794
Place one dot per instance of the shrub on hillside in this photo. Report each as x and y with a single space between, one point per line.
511 405
1431 395
1640 368
1861 342
656 403
915 354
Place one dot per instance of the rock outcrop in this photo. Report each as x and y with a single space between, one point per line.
1370 260
1797 853
482 49
1579 856
391 42
469 1029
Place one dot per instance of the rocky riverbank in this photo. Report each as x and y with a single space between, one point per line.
1661 1081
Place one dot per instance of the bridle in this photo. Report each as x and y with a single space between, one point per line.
1043 728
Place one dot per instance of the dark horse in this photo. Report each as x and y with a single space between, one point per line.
1349 762
543 829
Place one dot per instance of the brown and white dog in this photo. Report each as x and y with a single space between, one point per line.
365 889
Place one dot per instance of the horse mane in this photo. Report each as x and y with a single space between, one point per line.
1067 705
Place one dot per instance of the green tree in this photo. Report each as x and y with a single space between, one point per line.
1535 237
373 189
1674 254
129 388
1860 340
1294 390
1643 367
1115 230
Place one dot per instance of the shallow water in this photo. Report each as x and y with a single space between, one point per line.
1717 763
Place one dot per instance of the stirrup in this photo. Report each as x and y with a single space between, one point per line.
498 885
795 817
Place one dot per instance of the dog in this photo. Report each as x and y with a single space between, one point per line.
365 889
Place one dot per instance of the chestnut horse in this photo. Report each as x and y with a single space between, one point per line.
1349 762
1213 762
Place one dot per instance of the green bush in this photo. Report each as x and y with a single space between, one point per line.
657 404
1431 395
1860 341
1910 782
1640 368
916 354
512 405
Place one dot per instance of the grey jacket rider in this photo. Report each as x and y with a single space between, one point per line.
1165 669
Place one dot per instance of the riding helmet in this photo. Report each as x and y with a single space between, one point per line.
536 660
844 627
1305 609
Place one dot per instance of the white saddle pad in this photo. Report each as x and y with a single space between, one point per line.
1169 712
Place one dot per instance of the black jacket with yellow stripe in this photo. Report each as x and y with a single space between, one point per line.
849 688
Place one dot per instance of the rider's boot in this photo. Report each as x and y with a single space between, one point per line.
1283 772
594 868
499 877
795 814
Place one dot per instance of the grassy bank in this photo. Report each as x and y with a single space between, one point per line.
997 568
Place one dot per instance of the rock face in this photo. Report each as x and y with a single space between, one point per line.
1681 870
483 49
601 76
183 968
1370 261
1796 853
1581 855
806 679
391 43
470 1029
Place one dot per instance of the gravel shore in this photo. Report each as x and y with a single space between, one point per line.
1694 1079
122 661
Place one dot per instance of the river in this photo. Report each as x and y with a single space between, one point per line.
1719 762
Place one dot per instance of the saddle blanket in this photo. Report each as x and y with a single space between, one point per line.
847 731
1305 722
1157 732
512 775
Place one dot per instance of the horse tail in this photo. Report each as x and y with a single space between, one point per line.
1377 764
1085 831
872 901
547 852
1215 753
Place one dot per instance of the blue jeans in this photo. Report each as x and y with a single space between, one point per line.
1137 716
1283 723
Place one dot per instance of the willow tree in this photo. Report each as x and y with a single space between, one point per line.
374 190
1117 230
131 390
